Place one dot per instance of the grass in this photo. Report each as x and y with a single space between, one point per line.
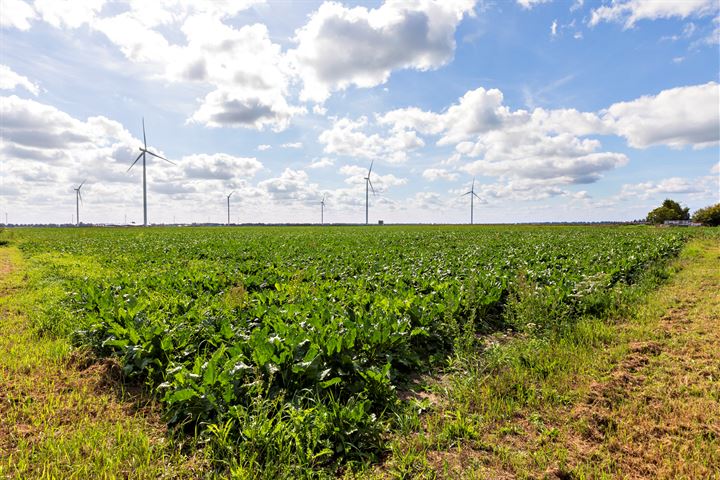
636 395
61 414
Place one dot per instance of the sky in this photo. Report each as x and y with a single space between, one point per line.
557 110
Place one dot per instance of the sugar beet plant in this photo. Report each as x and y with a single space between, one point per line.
284 347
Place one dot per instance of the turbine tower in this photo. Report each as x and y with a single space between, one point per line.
368 184
322 210
472 195
228 205
78 199
143 151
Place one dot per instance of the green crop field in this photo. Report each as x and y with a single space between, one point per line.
289 350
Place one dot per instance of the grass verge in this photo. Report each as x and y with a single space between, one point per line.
64 416
637 397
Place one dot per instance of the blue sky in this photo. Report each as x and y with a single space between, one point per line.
561 110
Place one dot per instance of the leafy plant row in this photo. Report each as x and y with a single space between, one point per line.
293 341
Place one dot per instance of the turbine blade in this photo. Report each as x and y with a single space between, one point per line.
477 196
83 183
136 160
80 197
161 158
144 140
466 193
371 165
371 186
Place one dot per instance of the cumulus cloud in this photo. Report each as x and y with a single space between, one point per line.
322 163
16 14
68 13
228 108
677 117
9 80
543 144
294 145
290 185
629 12
46 147
528 4
348 137
433 174
552 145
397 35
667 186
355 175
249 73
219 166
523 189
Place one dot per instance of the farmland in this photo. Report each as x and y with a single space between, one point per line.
292 350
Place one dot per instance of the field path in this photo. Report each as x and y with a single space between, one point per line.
60 415
658 414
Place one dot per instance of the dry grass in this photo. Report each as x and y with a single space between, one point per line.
63 415
643 401
665 411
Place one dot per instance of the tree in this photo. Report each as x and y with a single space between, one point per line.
669 210
709 216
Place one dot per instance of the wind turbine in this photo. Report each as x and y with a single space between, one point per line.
228 203
472 195
143 151
322 210
369 184
78 199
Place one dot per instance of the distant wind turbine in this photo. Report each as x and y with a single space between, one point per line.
472 197
322 210
228 205
368 184
143 151
78 200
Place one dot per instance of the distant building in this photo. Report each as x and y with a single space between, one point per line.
681 223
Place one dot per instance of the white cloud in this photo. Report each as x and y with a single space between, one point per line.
433 174
542 144
294 145
631 11
322 163
667 186
219 166
290 185
229 108
10 79
68 13
346 137
16 14
250 73
553 28
524 189
676 117
264 147
355 175
399 34
52 151
413 119
528 4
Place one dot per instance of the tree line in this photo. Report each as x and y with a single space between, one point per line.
672 210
